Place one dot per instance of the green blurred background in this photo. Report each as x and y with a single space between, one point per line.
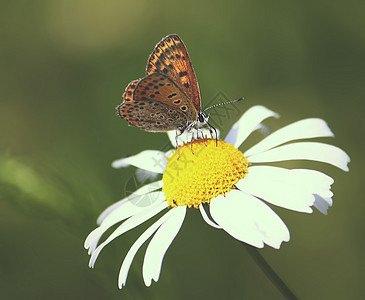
63 67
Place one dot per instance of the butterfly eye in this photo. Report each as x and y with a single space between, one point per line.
201 118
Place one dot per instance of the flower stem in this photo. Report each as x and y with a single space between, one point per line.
270 273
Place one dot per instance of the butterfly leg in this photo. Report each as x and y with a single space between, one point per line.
216 137
203 137
177 143
191 142
211 133
179 131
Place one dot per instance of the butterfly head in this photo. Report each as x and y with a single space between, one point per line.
202 119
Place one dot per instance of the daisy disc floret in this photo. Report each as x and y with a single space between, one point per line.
204 170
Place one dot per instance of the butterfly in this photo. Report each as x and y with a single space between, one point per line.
168 98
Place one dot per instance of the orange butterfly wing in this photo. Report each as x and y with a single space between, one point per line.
171 58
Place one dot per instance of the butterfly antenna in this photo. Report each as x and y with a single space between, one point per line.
228 102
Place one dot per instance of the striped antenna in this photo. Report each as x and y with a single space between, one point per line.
228 102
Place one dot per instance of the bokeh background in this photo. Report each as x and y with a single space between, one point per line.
63 67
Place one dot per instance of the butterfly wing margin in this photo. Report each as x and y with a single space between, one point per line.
128 93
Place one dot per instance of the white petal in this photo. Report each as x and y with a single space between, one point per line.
133 250
186 136
160 243
126 209
291 189
141 191
144 175
307 151
308 128
131 223
249 220
150 160
206 218
92 240
171 134
248 123
322 204
264 129
314 181
181 139
278 186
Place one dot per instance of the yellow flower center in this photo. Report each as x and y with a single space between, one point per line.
199 176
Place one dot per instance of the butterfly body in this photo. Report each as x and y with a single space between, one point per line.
168 98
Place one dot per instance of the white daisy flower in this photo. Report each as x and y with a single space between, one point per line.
234 184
